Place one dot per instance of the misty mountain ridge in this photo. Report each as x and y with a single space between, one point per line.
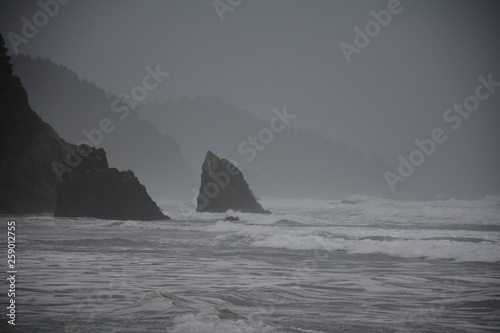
165 143
76 109
294 163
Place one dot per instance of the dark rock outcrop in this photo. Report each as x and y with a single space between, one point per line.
232 218
94 190
223 187
348 202
28 149
34 161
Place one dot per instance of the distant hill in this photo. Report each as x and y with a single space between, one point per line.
295 163
74 107
163 142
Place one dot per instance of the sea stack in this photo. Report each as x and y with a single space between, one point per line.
94 190
223 187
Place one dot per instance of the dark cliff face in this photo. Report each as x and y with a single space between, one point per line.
28 147
223 187
37 165
94 190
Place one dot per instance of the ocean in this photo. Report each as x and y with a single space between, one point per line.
311 266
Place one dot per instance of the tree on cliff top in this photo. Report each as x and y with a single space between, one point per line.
4 58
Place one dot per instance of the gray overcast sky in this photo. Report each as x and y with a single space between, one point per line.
268 54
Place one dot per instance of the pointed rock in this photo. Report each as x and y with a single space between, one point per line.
223 187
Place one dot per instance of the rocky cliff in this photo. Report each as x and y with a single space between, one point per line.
35 160
94 190
223 187
28 147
